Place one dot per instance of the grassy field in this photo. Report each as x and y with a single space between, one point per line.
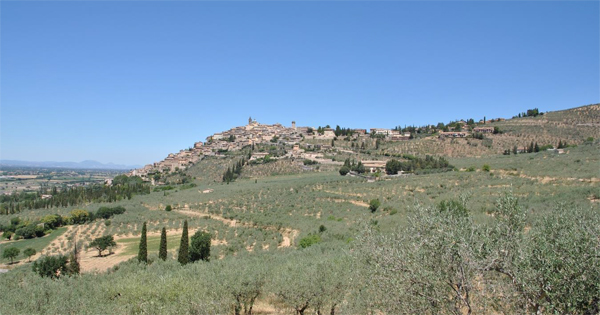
132 244
36 243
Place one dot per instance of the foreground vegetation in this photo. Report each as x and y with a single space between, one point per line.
441 261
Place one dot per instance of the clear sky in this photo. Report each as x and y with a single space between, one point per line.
131 81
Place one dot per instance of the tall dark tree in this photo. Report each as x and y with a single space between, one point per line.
184 253
143 253
536 148
530 149
162 251
74 267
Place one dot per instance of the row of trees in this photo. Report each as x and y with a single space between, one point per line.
414 163
38 228
534 148
198 249
351 165
12 253
122 187
530 113
233 173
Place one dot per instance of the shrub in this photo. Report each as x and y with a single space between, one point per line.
30 231
106 212
322 228
309 240
168 208
52 266
344 170
7 235
485 168
374 204
79 216
52 221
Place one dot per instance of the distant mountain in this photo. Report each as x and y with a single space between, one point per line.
88 164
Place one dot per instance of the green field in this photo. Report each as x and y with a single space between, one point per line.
36 243
132 244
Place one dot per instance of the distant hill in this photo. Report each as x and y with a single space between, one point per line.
88 164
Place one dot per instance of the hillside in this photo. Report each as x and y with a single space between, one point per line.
295 236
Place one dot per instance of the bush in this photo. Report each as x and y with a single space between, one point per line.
52 266
7 235
168 208
79 216
322 228
344 170
30 231
52 221
485 168
309 162
309 240
374 204
106 212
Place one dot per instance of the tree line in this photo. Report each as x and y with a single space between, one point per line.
414 163
121 188
18 229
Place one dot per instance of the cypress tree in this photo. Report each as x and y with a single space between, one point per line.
162 251
530 149
143 253
184 254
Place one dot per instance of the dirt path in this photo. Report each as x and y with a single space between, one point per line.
354 202
90 262
546 179
191 213
288 234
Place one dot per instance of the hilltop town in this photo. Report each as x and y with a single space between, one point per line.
304 142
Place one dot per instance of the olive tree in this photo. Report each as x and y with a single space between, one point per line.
429 266
11 253
315 278
555 267
29 252
103 243
243 279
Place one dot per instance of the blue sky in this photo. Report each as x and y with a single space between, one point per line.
130 81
